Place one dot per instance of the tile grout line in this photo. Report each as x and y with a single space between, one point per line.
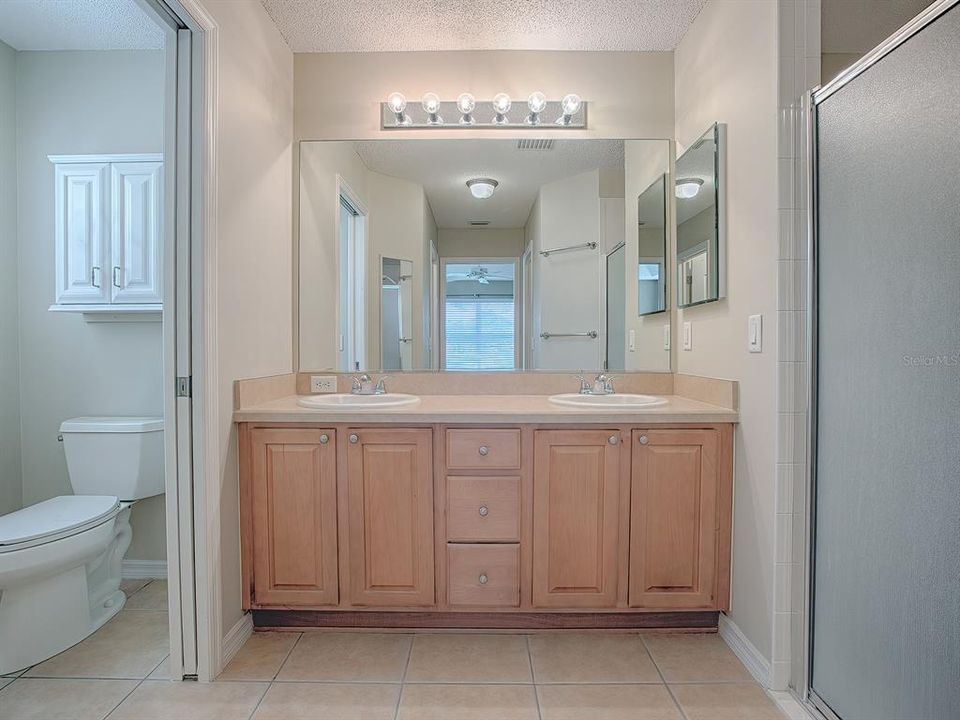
285 657
135 687
271 681
403 678
665 684
533 678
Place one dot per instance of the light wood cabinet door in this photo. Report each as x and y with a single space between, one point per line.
294 512
674 518
576 518
389 517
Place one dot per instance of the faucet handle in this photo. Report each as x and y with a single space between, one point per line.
605 383
584 385
381 389
355 380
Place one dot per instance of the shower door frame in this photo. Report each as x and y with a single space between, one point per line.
812 100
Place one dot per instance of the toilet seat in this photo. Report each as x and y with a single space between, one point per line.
55 519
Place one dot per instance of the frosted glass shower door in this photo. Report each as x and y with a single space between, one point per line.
885 606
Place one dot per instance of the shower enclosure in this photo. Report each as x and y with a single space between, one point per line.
884 578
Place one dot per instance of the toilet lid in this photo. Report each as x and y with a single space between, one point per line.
54 517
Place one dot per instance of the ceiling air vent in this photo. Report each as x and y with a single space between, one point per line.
477 223
525 144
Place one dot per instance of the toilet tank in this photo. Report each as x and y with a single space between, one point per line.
121 456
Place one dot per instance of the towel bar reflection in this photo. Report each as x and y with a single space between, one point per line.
584 246
590 334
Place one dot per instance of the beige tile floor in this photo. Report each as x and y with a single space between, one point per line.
120 673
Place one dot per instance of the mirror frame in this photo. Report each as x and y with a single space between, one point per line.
718 132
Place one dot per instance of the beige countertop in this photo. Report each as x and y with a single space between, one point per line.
487 409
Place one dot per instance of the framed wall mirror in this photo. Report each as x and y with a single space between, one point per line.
481 255
652 248
699 190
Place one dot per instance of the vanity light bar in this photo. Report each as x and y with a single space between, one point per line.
466 112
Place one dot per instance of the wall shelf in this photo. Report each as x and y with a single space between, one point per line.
113 313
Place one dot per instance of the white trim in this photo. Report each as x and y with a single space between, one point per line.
143 570
114 158
745 650
791 706
235 638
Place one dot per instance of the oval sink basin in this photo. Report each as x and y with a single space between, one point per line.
346 401
620 401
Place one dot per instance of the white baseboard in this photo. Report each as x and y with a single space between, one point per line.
751 658
143 569
234 639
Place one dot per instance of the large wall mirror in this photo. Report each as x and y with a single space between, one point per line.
484 255
701 242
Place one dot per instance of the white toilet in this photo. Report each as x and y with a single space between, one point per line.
60 559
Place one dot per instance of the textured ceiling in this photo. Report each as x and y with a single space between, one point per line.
77 25
856 26
444 166
395 25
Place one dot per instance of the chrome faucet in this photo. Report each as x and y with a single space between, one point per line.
364 385
602 385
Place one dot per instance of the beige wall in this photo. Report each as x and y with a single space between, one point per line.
254 137
480 242
338 94
11 488
726 71
79 103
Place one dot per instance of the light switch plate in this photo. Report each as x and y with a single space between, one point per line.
688 335
323 383
632 340
666 337
755 333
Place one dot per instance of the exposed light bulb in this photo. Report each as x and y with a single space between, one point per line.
537 102
431 106
482 188
466 103
397 102
501 106
569 106
687 188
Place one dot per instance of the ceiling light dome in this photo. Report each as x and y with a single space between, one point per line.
687 188
482 188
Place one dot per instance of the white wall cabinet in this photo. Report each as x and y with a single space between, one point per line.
108 233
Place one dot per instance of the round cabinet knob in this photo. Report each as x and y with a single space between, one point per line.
324 439
644 440
483 579
484 511
612 439
484 450
354 439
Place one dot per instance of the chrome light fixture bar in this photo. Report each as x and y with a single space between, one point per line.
467 112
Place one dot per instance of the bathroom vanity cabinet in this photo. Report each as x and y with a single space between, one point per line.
486 526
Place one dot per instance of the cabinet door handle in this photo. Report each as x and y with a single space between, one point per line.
116 276
612 439
483 579
484 450
324 439
354 439
644 440
484 511
93 275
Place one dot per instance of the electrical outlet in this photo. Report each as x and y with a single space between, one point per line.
688 336
323 383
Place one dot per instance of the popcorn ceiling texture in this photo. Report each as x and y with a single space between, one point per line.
399 25
77 25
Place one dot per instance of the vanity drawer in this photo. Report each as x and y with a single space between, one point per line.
483 575
483 449
483 509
